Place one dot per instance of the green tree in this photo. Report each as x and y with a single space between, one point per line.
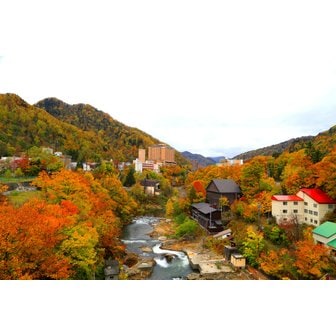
252 246
130 179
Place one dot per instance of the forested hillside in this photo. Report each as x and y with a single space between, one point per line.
80 130
23 126
275 150
120 140
323 142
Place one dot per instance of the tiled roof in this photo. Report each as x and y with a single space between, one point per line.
318 196
327 229
204 208
226 186
286 198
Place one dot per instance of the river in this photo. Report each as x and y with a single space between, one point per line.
168 264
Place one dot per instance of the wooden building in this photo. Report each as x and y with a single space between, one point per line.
218 188
207 216
151 187
111 270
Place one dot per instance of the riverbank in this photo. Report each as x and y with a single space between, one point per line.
204 262
207 264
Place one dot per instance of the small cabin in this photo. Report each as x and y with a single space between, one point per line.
238 260
111 270
228 251
151 187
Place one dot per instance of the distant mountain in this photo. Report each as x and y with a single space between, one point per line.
275 150
80 130
218 159
198 160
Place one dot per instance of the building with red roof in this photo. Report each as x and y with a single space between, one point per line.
286 207
318 196
308 206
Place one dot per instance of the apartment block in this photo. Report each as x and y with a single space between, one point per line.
161 153
307 206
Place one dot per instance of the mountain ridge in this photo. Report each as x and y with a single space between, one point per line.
78 130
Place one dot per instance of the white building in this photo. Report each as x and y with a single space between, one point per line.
307 206
137 165
286 207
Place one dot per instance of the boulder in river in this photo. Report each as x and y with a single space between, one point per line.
169 257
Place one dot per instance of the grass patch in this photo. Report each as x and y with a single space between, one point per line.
17 198
16 179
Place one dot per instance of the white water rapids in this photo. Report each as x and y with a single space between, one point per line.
169 264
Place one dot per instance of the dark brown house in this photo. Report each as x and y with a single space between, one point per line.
207 216
218 188
151 187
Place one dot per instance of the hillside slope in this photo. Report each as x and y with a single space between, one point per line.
289 145
77 130
23 126
120 140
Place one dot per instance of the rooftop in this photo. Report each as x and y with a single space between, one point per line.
285 198
318 196
226 185
327 229
332 244
205 208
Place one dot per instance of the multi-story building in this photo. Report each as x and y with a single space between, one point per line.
142 155
161 153
307 206
286 207
316 204
230 162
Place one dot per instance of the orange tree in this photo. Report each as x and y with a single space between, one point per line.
311 259
30 239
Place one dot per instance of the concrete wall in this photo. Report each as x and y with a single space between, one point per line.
287 210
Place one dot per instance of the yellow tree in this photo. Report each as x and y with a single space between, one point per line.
298 173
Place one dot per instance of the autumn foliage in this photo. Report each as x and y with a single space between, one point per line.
67 233
30 237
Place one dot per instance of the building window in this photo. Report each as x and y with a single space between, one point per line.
315 205
295 203
315 221
305 218
311 220
295 211
305 203
310 212
315 213
284 203
306 210
330 206
284 211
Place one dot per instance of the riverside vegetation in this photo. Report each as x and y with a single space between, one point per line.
72 223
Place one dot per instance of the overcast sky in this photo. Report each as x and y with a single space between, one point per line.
211 77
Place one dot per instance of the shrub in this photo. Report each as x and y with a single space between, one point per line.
180 218
188 229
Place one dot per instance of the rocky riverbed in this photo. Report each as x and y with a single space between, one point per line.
205 263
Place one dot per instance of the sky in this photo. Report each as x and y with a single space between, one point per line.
216 78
